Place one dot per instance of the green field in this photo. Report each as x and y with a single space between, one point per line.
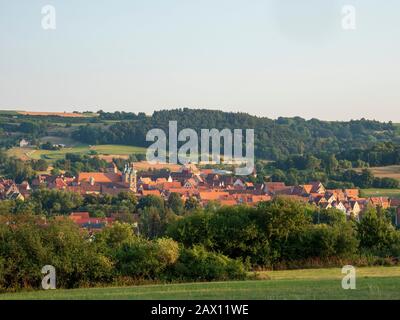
314 284
8 113
31 153
391 193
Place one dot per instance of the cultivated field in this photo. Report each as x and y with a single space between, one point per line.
50 155
144 165
317 284
57 114
391 193
387 172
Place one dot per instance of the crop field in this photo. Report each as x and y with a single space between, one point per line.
52 155
387 172
57 114
8 113
314 284
391 193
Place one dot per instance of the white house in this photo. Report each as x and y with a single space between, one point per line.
23 143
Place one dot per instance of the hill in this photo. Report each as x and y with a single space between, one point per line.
274 139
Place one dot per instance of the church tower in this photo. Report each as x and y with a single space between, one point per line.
132 178
129 177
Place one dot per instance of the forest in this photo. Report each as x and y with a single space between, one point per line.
274 139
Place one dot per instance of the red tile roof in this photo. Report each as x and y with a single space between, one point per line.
99 177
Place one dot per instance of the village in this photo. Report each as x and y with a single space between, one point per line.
204 185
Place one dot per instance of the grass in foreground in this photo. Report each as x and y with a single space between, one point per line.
372 283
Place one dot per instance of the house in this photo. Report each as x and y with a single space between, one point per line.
339 194
317 187
56 183
239 184
190 183
25 189
326 205
383 202
9 190
306 189
319 199
206 196
260 198
94 182
352 193
23 143
353 208
395 203
83 220
339 206
151 193
170 186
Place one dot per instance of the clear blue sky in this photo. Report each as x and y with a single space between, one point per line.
271 58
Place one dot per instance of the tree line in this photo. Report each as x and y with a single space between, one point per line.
214 243
274 139
327 168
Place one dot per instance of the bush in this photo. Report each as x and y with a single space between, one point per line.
26 245
75 258
199 264
2 274
168 251
146 259
377 235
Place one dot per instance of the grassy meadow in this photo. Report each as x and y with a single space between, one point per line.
391 193
52 155
312 284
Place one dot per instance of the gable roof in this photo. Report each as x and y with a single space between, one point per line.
212 195
151 192
99 177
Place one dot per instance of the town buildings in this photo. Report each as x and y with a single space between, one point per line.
206 185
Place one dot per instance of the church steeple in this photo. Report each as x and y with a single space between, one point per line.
130 176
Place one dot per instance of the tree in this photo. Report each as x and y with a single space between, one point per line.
128 198
331 164
198 263
18 170
151 201
39 165
55 172
377 234
366 179
147 259
175 203
114 237
55 202
192 204
151 224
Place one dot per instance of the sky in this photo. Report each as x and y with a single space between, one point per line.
266 57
